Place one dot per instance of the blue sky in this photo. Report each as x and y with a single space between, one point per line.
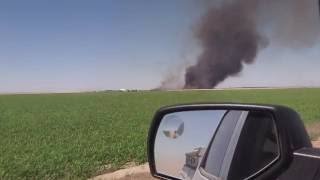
56 46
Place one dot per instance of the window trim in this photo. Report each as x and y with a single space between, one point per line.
233 145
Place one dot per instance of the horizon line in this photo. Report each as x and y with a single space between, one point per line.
135 89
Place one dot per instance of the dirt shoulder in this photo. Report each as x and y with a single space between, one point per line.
316 144
131 173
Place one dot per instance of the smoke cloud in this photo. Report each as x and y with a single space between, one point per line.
231 33
290 23
229 38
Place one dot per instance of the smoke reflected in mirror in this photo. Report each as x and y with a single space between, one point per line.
173 126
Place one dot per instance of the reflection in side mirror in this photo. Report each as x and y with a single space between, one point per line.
226 142
171 155
173 126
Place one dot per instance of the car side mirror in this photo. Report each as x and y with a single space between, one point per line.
224 141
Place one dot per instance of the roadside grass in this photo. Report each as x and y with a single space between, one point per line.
73 136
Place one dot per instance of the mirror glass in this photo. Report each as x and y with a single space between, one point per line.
215 144
182 139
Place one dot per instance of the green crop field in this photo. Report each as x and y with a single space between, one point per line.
74 136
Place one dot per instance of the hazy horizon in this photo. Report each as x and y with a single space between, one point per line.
76 46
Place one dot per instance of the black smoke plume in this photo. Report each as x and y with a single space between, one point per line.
229 38
232 32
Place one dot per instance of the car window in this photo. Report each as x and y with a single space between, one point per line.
257 146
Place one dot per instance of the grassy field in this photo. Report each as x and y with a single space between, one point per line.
73 136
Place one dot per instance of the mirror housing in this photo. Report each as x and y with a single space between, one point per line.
291 133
